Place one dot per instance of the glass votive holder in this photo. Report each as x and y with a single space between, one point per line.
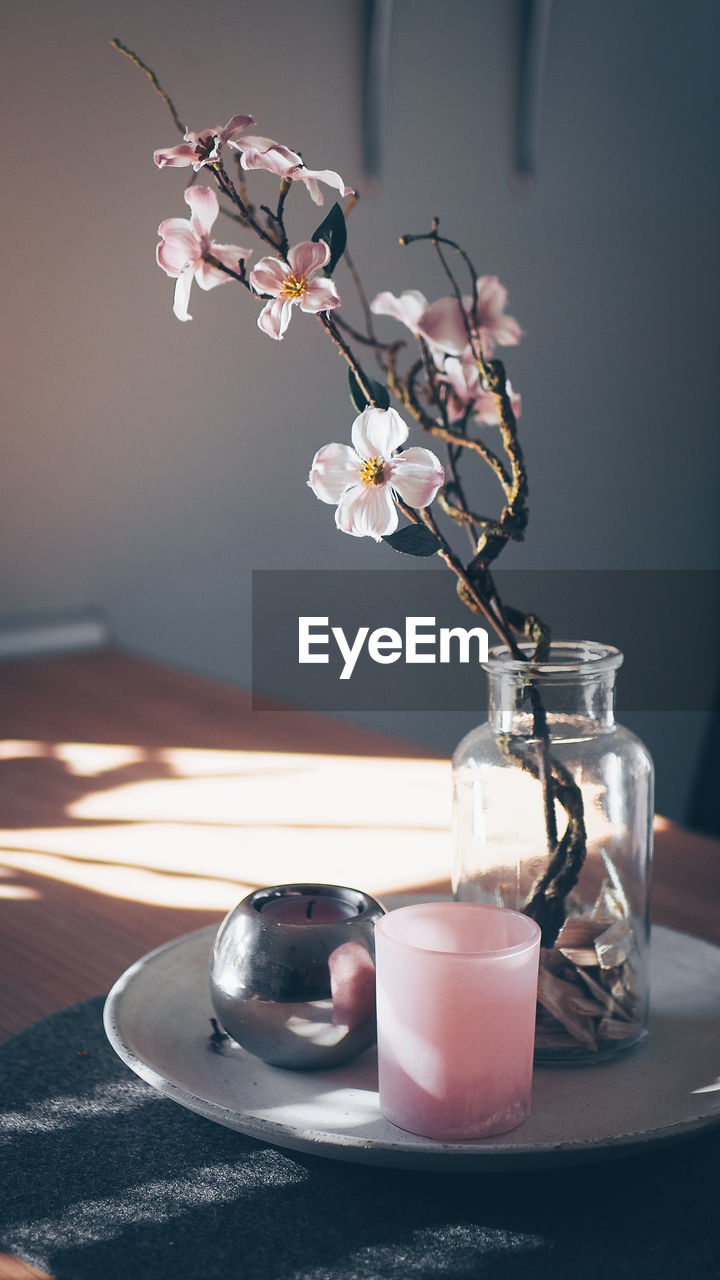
292 974
456 992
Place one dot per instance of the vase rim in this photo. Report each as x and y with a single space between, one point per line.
579 658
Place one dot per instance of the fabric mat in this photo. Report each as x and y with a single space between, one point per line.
104 1178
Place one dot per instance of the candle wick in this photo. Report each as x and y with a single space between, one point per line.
309 909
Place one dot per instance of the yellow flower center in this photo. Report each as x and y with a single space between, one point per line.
373 471
293 287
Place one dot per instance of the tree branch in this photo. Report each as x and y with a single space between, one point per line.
117 44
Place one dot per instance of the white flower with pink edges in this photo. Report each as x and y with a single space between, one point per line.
298 282
185 243
365 480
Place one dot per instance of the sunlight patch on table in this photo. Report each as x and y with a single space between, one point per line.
17 892
246 787
196 828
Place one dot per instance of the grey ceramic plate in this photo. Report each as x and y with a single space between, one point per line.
157 1020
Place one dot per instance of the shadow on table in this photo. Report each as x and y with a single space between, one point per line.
110 1180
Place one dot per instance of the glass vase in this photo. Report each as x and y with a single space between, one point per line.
553 811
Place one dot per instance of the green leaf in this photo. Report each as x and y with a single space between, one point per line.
357 395
413 540
333 231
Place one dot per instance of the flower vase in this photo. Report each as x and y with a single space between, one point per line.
553 810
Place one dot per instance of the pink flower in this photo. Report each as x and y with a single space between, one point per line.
185 243
202 148
467 392
364 479
494 326
299 281
440 323
263 153
445 324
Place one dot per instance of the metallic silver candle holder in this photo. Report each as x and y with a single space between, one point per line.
292 975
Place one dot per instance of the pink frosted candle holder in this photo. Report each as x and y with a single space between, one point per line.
456 991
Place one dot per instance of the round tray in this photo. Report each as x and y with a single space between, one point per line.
157 1019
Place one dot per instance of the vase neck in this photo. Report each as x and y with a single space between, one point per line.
576 684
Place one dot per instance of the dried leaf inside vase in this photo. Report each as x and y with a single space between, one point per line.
557 996
614 945
576 940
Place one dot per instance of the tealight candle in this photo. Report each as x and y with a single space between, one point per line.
456 993
296 907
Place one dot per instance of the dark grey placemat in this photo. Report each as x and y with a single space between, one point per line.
104 1178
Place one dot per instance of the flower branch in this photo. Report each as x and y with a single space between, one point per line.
228 188
138 62
364 383
455 381
240 276
405 390
471 329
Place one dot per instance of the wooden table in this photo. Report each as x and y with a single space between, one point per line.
138 803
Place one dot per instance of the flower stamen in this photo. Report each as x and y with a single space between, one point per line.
205 146
373 471
294 287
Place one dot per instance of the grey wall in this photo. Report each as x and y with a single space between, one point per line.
149 466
